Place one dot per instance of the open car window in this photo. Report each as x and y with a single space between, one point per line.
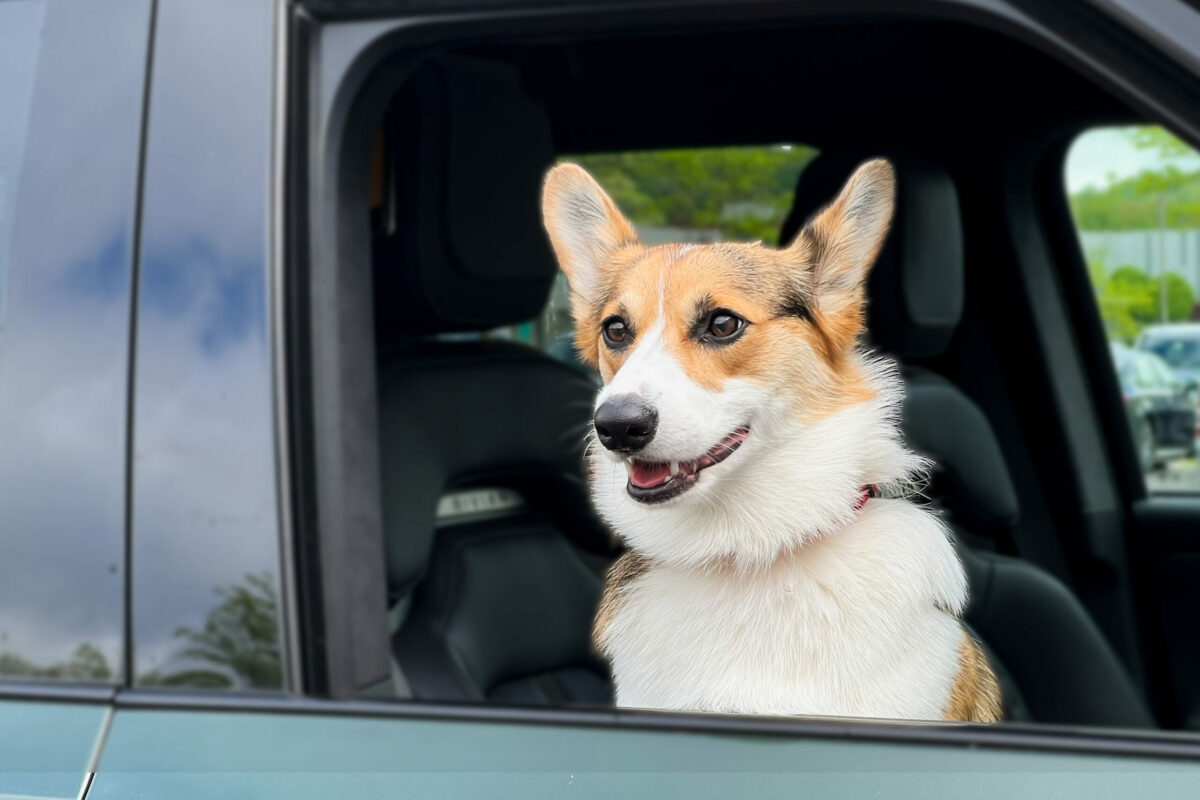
1135 200
714 194
467 301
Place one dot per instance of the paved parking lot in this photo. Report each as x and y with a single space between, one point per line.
1182 475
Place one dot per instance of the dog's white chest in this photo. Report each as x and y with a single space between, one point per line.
852 626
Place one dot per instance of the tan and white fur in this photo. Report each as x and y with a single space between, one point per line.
761 588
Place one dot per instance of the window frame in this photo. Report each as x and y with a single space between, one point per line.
1104 377
340 66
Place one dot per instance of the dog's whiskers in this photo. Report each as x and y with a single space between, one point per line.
589 446
583 429
728 447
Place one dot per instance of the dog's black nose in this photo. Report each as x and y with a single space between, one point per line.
625 423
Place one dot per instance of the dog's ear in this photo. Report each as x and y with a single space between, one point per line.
840 244
585 229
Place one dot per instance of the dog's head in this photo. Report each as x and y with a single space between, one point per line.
718 360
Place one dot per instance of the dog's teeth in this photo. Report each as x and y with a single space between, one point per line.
674 467
628 466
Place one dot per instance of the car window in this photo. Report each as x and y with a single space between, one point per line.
499 415
1178 352
712 194
205 555
1135 199
20 24
69 127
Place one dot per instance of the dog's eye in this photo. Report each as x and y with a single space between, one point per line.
722 325
616 333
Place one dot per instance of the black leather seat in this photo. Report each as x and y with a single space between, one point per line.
494 557
1053 662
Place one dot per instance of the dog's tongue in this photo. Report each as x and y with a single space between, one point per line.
647 474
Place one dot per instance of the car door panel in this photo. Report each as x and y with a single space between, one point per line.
53 755
1167 534
365 752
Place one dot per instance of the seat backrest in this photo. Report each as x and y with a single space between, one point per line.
502 599
1053 662
915 289
492 550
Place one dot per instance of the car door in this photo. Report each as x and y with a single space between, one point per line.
206 613
302 749
275 713
71 88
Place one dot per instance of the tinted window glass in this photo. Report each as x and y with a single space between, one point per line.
20 37
1135 198
64 343
205 528
1178 352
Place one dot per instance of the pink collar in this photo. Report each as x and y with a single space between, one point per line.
864 494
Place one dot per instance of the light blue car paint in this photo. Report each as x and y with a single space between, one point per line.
46 747
186 754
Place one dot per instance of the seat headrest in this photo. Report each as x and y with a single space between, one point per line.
471 148
915 290
456 415
970 475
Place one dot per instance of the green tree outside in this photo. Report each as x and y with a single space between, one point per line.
1132 203
1165 196
1129 299
742 193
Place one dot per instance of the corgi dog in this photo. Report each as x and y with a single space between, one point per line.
739 426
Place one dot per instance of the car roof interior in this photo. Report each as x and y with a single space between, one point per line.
843 85
948 96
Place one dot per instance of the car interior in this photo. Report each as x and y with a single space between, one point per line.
493 558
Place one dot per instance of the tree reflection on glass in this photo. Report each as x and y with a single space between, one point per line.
87 663
240 639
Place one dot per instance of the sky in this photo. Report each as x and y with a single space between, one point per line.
1100 156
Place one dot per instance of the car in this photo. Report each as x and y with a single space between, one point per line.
290 493
1179 346
1162 415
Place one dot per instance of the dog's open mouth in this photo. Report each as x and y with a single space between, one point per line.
656 481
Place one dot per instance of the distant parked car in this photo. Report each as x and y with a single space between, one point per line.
1179 346
1161 414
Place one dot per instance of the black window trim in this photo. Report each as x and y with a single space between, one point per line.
278 248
